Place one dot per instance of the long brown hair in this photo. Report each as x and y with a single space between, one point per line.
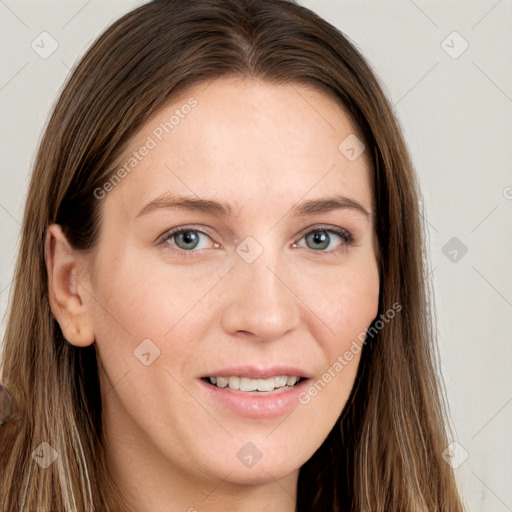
385 452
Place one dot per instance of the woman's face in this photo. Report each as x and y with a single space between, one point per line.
259 286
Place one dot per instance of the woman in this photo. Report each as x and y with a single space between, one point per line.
177 339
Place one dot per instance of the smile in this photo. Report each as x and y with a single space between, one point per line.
246 384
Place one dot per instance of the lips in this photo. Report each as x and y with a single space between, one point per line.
254 404
255 391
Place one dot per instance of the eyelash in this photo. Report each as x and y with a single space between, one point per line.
346 237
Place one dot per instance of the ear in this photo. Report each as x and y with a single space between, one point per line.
64 268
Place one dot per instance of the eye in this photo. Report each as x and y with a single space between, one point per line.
186 239
321 237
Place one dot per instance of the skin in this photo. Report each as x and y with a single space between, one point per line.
263 148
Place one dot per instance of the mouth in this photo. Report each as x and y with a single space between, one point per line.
255 391
256 394
255 386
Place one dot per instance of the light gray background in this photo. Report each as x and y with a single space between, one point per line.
457 118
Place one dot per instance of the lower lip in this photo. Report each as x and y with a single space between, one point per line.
253 406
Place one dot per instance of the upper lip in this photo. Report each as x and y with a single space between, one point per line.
259 372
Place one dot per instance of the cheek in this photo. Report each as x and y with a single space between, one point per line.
126 306
136 298
142 326
357 302
346 299
136 301
347 306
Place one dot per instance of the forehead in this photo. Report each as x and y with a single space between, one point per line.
248 142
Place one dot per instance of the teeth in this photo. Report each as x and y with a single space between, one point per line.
234 382
221 382
291 381
246 384
280 381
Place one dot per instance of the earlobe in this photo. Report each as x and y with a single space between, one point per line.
65 293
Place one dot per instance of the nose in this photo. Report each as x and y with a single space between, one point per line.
262 302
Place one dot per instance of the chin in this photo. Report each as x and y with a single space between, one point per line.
247 465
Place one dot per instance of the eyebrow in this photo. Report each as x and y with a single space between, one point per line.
223 209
